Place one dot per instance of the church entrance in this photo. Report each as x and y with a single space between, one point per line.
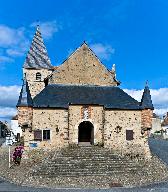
86 132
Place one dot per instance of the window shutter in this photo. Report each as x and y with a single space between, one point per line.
38 135
129 135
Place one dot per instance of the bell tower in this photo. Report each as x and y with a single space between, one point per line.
37 65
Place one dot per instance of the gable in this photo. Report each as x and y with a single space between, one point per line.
84 68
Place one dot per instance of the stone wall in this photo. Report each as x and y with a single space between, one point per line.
96 117
82 67
110 128
147 115
55 120
36 86
25 116
116 124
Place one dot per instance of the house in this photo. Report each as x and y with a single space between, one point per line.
156 124
165 126
15 128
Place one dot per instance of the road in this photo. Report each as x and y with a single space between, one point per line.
158 147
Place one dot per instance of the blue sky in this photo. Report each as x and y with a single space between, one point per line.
133 34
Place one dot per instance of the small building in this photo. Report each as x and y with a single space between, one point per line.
165 126
80 103
156 124
15 128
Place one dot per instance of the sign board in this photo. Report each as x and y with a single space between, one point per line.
9 141
33 145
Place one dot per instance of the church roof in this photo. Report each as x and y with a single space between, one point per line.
37 56
25 99
146 101
61 96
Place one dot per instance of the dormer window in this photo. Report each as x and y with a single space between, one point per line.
38 76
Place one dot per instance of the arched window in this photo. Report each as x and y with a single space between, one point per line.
38 76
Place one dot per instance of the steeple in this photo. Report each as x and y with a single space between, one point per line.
37 56
25 99
146 101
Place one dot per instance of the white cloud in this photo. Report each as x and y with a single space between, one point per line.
102 51
136 94
159 98
5 59
7 112
47 28
161 112
11 36
9 95
8 99
8 36
15 42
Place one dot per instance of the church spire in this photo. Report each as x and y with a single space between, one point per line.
146 101
37 56
25 99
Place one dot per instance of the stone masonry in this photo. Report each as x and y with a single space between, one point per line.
147 115
25 116
83 67
96 118
36 86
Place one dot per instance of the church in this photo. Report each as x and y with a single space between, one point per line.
79 103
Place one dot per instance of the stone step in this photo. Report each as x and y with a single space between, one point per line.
85 173
86 161
96 161
76 161
89 166
87 169
90 157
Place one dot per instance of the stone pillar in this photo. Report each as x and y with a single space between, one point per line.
25 116
147 115
146 125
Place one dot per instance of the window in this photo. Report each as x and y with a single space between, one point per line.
129 135
46 82
38 76
37 135
46 134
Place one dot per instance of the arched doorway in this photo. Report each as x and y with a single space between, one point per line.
86 132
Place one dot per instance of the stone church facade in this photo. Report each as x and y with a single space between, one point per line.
79 103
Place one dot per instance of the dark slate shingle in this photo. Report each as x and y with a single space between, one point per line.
25 99
37 56
62 95
146 101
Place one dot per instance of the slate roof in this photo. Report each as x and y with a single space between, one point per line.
60 96
146 101
25 99
37 56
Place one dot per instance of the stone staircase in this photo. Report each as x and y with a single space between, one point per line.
86 161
